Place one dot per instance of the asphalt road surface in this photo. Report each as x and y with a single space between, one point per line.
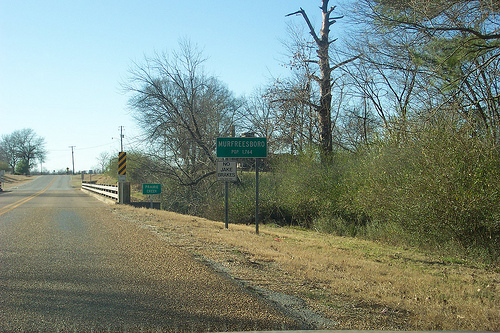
67 263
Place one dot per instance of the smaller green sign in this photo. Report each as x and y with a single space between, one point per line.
151 188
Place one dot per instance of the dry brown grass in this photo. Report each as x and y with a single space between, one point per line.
358 284
9 181
98 178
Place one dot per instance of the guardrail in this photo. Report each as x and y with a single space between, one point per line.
109 191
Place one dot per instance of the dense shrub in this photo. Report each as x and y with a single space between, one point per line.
297 190
299 185
22 167
439 190
205 199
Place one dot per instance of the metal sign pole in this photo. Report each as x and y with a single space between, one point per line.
257 196
120 192
226 204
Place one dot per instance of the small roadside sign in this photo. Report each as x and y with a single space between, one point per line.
242 147
226 171
151 188
122 163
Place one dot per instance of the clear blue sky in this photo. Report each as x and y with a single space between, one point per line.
62 62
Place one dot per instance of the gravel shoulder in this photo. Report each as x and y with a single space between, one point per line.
295 294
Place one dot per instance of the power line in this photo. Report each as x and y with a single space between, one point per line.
105 144
86 148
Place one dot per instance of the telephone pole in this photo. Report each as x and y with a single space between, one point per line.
73 157
121 138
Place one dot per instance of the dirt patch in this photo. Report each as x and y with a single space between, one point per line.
335 282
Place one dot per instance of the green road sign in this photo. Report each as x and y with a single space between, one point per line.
151 188
242 147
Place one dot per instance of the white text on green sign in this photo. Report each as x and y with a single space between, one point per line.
242 147
151 188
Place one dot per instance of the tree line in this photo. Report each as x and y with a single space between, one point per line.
391 133
21 150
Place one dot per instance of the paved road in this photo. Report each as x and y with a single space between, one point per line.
67 263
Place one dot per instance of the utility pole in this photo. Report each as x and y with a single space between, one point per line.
73 157
121 138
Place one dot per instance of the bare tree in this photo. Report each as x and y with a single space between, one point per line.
31 147
23 144
387 80
260 117
9 147
294 99
182 111
103 160
446 50
477 20
323 43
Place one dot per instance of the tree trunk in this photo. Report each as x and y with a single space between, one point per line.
324 81
325 109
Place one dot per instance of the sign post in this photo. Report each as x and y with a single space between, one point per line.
226 172
243 148
257 196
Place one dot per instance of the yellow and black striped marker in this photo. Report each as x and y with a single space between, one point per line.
122 163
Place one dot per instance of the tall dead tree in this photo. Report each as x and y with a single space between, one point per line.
323 43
